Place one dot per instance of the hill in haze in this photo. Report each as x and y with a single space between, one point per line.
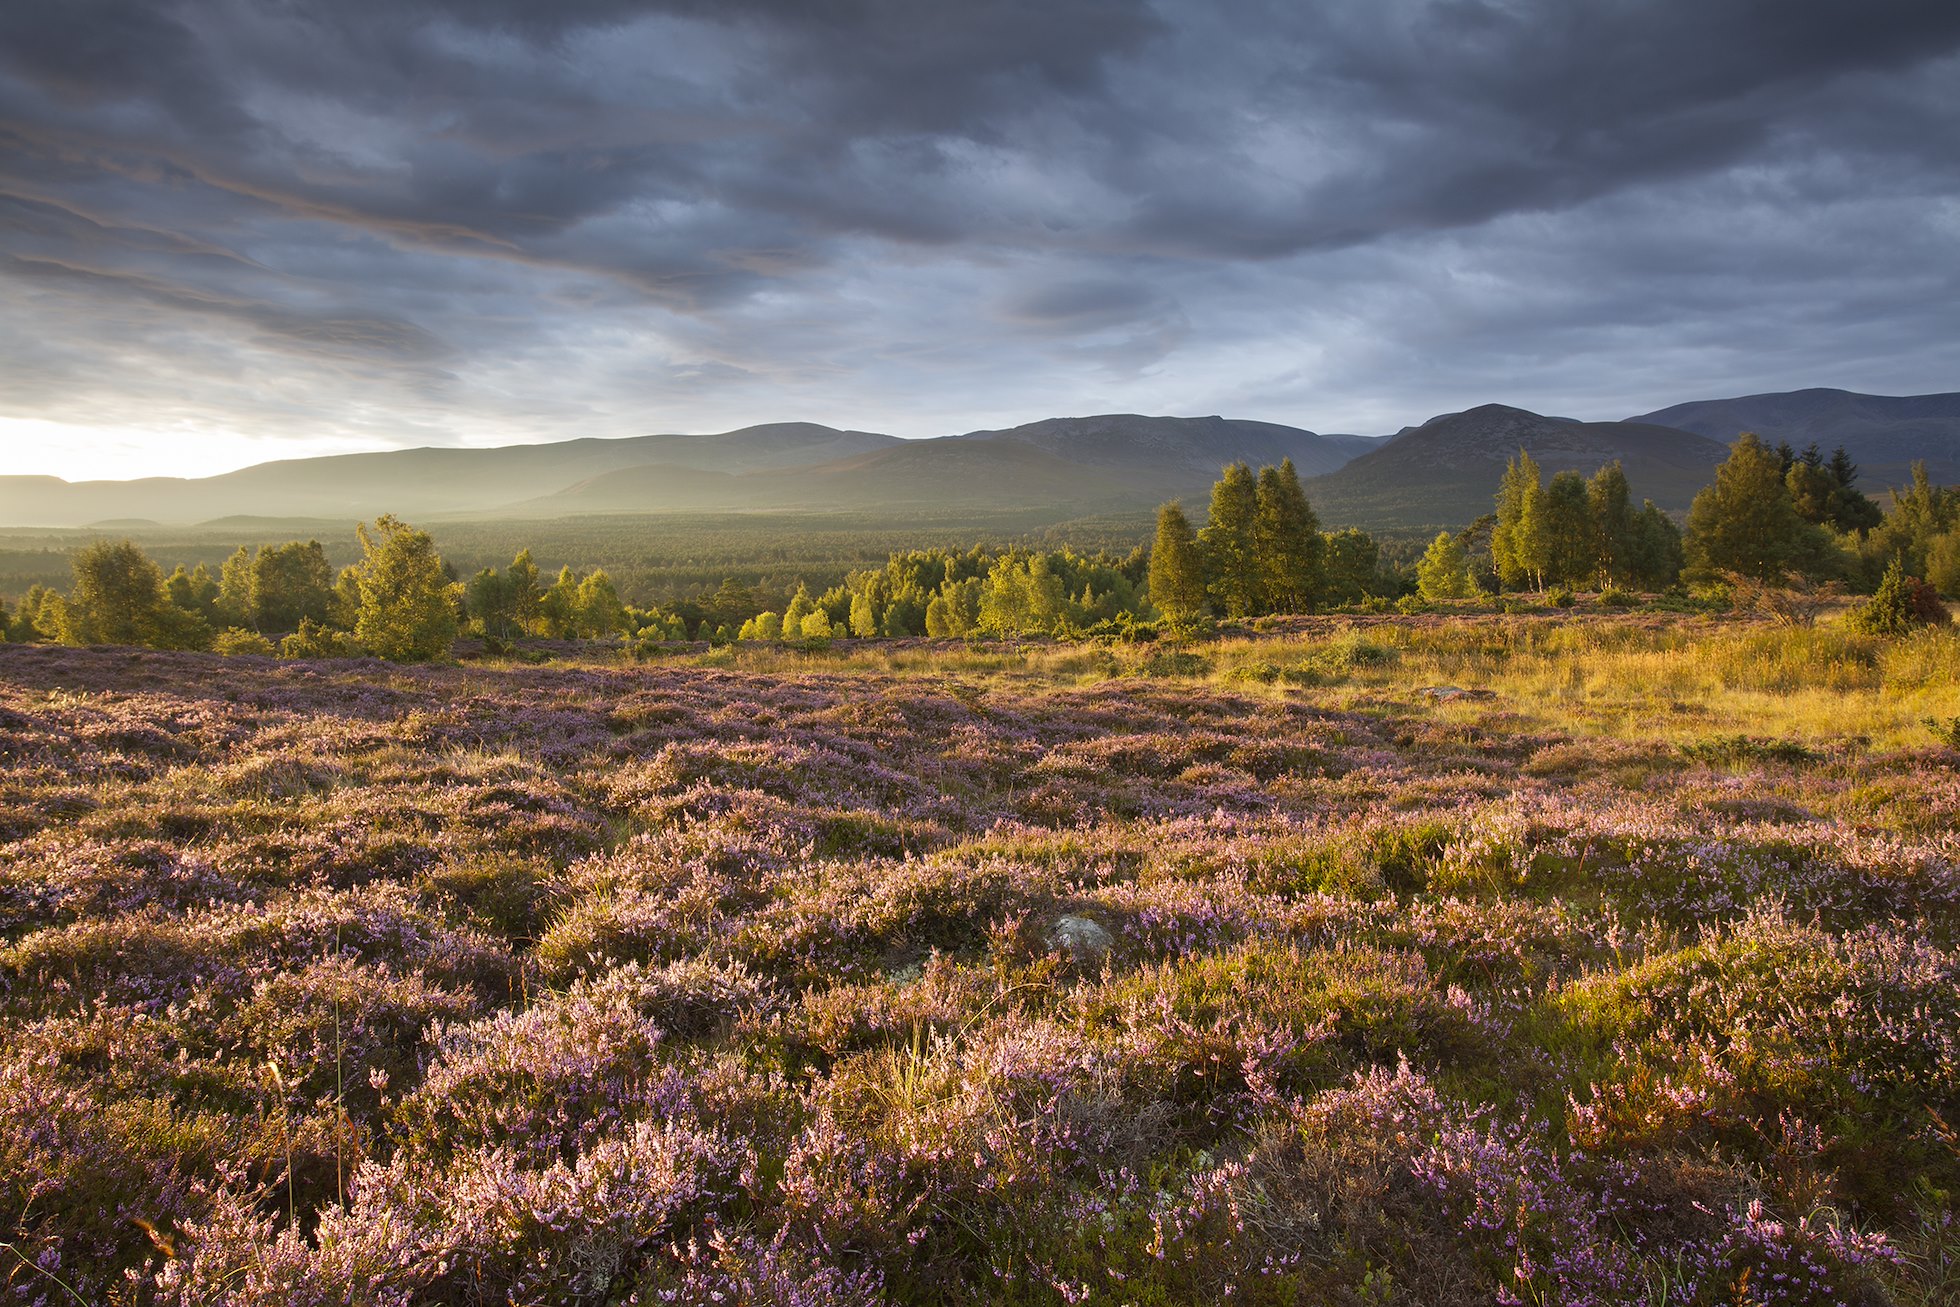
1103 462
418 482
1444 473
1441 473
1883 433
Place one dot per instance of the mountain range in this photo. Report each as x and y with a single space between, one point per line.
1440 473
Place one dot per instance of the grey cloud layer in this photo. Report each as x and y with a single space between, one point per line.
504 216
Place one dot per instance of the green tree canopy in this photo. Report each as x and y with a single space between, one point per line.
1444 572
407 607
1746 522
1353 564
1287 543
118 598
1615 522
1517 544
1229 545
1177 574
289 583
1570 555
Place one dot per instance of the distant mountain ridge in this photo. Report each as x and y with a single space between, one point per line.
1885 434
1442 472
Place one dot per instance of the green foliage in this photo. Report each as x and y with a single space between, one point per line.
1614 523
1177 575
597 610
504 605
1901 604
194 591
1517 540
1746 522
1823 492
290 583
1922 515
407 608
864 618
235 640
1570 548
1229 544
316 640
1353 563
119 598
1444 572
1744 750
1287 542
1657 549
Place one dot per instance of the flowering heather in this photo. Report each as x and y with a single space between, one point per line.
339 982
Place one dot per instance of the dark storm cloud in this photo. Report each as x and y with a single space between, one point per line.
586 208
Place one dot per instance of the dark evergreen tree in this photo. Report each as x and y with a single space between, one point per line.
1229 546
1286 540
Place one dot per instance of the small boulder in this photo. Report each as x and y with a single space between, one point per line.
1085 941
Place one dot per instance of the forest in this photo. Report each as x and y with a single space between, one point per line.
1777 528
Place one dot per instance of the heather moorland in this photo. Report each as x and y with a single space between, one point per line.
1549 958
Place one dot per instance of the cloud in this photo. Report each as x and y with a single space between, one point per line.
508 218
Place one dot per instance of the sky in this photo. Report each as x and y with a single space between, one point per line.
235 230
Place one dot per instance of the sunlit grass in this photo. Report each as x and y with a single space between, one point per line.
1634 677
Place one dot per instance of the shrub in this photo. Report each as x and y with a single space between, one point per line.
316 640
234 640
1902 603
1615 597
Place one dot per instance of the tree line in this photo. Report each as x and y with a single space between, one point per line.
1771 514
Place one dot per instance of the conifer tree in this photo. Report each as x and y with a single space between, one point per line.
408 610
1228 545
1286 540
1177 576
1745 521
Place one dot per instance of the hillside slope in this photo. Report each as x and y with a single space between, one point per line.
1444 473
1883 433
417 481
